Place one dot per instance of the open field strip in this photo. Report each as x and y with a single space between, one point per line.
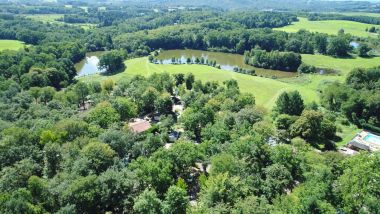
360 14
10 45
330 27
52 19
264 89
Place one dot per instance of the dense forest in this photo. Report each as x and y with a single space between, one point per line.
69 145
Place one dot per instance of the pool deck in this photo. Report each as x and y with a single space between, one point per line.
359 142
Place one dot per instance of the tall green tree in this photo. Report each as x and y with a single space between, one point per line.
81 90
176 201
147 203
112 61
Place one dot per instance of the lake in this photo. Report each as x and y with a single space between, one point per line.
226 61
89 65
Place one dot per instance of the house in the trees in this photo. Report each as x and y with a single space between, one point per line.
365 141
139 125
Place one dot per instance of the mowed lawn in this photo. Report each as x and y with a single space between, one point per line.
52 19
265 90
10 45
48 18
330 27
345 65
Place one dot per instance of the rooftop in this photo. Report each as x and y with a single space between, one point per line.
365 141
139 125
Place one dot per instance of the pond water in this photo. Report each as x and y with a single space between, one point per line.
226 61
354 44
89 65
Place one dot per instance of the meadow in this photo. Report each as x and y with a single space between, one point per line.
48 18
52 19
10 45
265 90
330 27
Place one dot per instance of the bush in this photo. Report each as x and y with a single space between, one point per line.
306 69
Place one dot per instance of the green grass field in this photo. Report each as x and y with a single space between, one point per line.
264 89
344 65
330 27
10 45
52 19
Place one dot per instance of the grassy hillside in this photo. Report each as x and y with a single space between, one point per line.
330 27
344 65
10 45
52 19
265 90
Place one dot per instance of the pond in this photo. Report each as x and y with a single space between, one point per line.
354 44
226 61
89 65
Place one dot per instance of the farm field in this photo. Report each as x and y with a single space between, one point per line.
48 18
52 18
330 27
361 14
265 90
344 65
10 45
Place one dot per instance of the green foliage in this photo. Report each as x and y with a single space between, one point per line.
176 201
125 107
222 189
103 115
81 90
107 85
338 46
99 155
83 193
312 127
112 61
359 196
65 146
363 50
147 202
285 61
189 80
289 103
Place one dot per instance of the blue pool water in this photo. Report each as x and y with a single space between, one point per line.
372 138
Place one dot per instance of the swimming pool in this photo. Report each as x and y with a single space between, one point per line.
372 139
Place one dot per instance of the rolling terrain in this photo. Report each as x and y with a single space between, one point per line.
265 90
330 27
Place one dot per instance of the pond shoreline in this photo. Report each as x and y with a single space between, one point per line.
89 65
226 61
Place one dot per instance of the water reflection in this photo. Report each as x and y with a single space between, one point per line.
226 61
89 65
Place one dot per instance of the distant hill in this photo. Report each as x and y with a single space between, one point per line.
280 5
314 5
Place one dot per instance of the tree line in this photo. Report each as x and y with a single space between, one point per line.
357 98
284 61
356 18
